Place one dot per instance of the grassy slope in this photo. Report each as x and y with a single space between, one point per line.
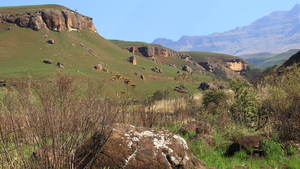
22 51
207 56
264 60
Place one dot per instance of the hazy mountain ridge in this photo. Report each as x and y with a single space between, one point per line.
275 33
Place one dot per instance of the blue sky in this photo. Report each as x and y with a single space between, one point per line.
146 20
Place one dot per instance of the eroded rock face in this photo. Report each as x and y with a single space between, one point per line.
137 147
51 19
151 51
237 65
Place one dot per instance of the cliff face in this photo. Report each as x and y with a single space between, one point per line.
275 33
51 19
151 51
237 65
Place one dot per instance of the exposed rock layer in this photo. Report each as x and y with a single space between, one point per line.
151 51
51 19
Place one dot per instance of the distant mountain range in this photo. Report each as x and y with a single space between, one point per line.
275 33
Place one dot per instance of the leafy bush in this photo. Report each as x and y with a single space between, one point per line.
246 106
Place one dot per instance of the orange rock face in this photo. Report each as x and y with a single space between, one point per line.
51 19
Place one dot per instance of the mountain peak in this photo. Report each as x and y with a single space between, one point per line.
295 9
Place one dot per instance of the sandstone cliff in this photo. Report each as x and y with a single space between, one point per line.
49 19
237 65
151 51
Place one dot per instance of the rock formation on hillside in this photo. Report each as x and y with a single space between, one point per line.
276 33
51 19
236 65
151 51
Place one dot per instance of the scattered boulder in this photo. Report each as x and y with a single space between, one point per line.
48 61
172 65
187 69
81 44
132 60
210 140
50 41
200 127
247 142
105 70
181 89
206 86
60 65
157 70
136 147
90 51
98 67
9 28
142 77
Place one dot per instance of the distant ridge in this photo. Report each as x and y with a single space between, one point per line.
275 33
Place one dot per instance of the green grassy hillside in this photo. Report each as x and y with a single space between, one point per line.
22 51
263 60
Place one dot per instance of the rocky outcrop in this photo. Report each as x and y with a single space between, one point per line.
181 89
50 19
275 33
132 60
237 65
129 147
187 69
151 51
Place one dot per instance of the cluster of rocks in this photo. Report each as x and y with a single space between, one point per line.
209 86
156 69
181 89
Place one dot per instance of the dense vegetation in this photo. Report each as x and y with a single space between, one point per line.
64 111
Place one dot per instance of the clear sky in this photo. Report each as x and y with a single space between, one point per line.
146 20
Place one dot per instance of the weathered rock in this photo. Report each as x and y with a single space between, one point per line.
142 77
52 19
187 69
254 142
206 86
150 51
48 61
200 127
132 60
157 70
172 65
60 65
237 65
181 89
210 140
137 147
50 41
50 155
98 67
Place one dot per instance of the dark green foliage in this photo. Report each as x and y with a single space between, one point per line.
246 106
214 96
